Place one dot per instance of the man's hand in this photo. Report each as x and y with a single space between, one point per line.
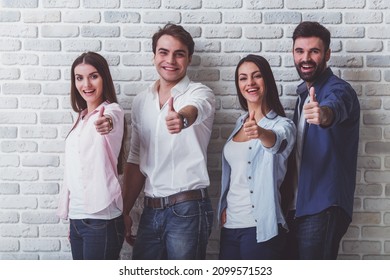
128 224
314 114
103 124
173 119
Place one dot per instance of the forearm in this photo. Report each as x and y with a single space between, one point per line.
134 181
190 112
267 138
326 116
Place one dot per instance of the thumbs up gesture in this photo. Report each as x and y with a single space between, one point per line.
251 129
103 124
312 110
173 119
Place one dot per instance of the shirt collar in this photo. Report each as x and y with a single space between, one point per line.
178 89
302 88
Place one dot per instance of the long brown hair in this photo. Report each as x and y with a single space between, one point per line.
271 95
79 104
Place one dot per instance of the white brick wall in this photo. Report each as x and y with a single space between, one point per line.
40 39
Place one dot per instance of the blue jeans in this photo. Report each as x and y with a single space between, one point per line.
241 244
178 232
95 239
319 235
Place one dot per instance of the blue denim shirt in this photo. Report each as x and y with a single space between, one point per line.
329 156
266 170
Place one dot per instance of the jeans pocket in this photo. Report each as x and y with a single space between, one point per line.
187 209
95 223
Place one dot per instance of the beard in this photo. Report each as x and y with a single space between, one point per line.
313 75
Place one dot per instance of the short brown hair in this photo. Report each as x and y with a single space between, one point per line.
176 31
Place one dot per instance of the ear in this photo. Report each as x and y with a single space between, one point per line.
327 55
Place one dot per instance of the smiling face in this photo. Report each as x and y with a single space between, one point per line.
310 58
251 84
89 84
171 59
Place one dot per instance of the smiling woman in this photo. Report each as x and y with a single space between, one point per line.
94 154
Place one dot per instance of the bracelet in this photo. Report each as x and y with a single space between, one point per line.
110 122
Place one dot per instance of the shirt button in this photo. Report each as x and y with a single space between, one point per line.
253 206
249 177
249 162
250 148
251 191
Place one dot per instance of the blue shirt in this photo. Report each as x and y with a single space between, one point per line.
266 170
329 156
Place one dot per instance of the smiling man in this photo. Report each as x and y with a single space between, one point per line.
171 127
323 166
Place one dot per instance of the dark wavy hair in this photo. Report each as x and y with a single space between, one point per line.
271 95
176 31
79 104
308 29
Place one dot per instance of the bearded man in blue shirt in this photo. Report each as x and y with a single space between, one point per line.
324 163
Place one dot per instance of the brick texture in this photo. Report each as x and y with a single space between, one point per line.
40 39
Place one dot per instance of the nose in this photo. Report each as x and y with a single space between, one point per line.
251 80
86 82
171 58
306 56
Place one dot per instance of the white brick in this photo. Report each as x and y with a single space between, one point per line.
19 59
18 231
141 4
327 17
41 17
39 245
42 45
8 103
304 4
161 17
282 17
222 4
263 32
107 4
9 245
265 4
202 17
82 45
10 44
9 161
183 4
18 146
19 4
122 17
334 4
39 217
17 118
363 17
18 174
84 16
61 3
38 103
40 161
39 74
18 31
100 31
9 188
9 16
222 32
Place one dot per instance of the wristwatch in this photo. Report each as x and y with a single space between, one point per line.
184 120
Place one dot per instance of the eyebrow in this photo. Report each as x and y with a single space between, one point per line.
96 72
176 51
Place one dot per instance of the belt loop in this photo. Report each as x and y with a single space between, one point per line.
165 202
203 192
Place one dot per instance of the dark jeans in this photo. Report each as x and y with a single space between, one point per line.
95 239
241 244
178 232
318 236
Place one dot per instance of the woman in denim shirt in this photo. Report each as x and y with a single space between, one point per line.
254 163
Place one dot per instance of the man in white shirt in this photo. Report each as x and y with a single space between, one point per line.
171 127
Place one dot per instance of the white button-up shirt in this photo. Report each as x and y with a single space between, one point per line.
172 163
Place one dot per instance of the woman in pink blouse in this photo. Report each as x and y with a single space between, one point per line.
94 155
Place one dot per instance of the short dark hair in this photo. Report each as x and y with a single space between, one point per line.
312 29
271 95
176 31
100 63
